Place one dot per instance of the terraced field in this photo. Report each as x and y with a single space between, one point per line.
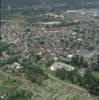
51 89
57 91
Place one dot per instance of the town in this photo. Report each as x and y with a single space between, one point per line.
44 50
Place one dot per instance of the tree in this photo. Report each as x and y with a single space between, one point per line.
3 46
74 76
75 61
27 30
62 74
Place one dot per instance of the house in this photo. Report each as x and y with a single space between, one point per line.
59 65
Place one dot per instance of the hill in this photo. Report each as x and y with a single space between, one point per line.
52 89
67 3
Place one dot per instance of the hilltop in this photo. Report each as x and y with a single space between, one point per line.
64 3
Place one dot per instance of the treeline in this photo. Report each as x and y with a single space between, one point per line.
88 81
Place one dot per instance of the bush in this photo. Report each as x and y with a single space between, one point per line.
19 94
3 46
